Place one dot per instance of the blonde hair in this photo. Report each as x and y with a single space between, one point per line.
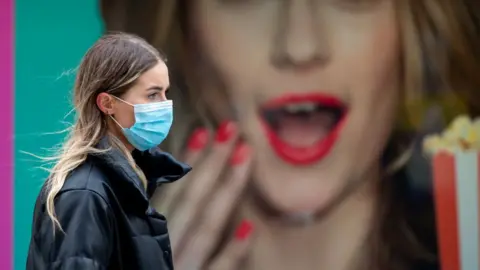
111 65
440 55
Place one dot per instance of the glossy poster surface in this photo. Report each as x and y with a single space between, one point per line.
299 117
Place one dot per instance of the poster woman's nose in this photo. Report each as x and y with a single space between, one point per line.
300 42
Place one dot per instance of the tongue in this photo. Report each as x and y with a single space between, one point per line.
304 131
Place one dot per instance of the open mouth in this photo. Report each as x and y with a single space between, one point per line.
302 129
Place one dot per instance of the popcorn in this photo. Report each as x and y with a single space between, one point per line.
455 158
462 135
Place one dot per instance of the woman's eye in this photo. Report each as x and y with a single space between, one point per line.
152 96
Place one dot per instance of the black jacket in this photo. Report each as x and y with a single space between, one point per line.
105 214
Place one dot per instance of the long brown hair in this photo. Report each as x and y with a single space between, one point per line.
441 59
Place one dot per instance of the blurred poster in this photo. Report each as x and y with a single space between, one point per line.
302 121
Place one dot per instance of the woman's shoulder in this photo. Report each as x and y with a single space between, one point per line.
88 177
111 178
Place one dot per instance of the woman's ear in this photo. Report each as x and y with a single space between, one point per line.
105 103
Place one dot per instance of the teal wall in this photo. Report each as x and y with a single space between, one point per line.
51 37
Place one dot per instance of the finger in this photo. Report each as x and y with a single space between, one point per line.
233 254
168 197
218 210
202 180
199 139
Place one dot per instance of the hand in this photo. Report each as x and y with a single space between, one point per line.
198 207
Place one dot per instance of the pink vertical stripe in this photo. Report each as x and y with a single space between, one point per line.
6 133
445 193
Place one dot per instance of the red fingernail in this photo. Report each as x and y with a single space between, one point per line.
244 230
198 140
240 154
225 132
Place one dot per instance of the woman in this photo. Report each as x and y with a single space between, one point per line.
317 90
93 212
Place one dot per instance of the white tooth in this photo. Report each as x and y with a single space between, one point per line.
300 107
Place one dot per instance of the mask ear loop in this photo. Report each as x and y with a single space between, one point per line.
123 101
113 118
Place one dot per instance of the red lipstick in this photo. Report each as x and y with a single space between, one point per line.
303 128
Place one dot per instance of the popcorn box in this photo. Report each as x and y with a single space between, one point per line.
455 155
456 178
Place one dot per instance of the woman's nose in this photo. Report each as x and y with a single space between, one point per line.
299 41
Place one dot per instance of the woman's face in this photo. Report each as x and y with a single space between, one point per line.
314 87
149 87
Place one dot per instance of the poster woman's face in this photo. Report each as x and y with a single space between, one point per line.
314 84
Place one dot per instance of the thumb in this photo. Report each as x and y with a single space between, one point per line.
235 251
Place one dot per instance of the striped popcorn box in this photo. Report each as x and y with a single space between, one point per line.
456 178
455 156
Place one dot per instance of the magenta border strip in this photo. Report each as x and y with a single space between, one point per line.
6 132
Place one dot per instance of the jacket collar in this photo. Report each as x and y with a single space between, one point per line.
159 167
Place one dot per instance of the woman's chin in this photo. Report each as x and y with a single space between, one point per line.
300 205
296 191
293 205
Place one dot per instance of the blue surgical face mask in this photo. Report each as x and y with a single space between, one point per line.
152 124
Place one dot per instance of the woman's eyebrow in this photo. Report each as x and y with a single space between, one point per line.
159 88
